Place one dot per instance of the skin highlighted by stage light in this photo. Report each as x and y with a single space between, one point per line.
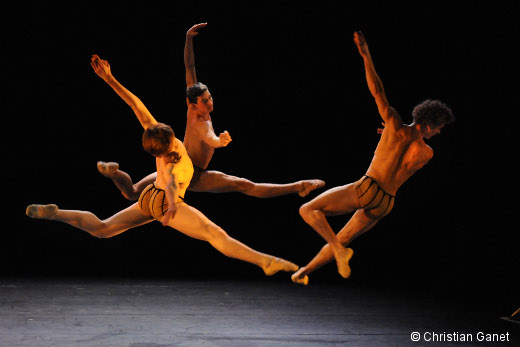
431 336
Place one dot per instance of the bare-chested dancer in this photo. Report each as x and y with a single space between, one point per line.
200 141
401 151
162 200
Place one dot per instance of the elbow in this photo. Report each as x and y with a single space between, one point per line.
214 143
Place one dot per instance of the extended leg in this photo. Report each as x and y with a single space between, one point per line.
123 181
218 182
335 201
128 218
193 223
357 225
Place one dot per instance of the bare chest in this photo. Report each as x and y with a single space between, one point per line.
197 128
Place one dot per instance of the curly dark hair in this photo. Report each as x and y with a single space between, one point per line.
194 91
157 140
433 113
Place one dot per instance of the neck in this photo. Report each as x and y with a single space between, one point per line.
204 116
418 128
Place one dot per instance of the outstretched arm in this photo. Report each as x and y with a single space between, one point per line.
102 69
172 194
189 55
389 115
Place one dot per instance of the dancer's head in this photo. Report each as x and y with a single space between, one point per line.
432 115
199 98
159 140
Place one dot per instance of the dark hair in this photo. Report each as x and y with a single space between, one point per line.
194 91
433 113
157 139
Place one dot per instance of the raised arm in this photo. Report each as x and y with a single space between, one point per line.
189 55
389 115
172 194
102 69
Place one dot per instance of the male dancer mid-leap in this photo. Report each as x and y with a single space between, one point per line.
200 141
401 151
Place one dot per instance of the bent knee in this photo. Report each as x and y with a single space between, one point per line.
307 211
311 215
304 210
132 195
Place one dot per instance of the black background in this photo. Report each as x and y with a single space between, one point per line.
289 86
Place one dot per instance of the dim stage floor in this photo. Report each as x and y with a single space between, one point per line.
143 312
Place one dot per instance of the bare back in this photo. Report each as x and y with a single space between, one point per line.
183 170
399 154
198 150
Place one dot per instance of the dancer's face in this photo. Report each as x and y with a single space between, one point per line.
205 103
430 131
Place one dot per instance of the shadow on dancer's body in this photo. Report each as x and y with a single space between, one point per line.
163 199
401 151
200 141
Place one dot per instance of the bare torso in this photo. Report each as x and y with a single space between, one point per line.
198 150
399 154
183 170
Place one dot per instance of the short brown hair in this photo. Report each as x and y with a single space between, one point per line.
157 139
194 91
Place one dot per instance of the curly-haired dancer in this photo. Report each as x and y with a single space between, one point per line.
401 151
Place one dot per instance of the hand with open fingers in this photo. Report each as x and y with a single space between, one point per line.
361 43
170 214
193 30
101 67
225 138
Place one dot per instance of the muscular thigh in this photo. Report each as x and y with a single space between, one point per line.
145 182
190 221
130 217
357 225
215 182
336 201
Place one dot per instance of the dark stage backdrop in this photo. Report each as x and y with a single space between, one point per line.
289 86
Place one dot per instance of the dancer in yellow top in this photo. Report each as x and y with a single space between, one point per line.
163 199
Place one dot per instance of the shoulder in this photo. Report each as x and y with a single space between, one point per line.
424 150
180 146
393 119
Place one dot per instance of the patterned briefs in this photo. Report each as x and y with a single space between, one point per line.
374 200
153 202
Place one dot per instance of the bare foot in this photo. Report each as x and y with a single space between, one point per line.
343 267
278 264
298 278
42 211
309 186
107 169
